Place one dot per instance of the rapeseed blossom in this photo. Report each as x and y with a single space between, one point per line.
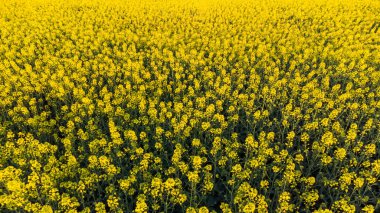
189 106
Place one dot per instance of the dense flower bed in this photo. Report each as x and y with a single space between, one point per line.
189 106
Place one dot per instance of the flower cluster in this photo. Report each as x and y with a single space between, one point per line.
189 106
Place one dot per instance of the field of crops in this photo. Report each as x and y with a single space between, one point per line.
189 106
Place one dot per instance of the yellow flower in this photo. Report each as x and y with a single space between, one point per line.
290 136
284 204
326 159
249 208
154 105
340 154
196 142
141 206
15 186
376 167
310 198
113 202
270 136
370 149
368 209
358 182
181 199
225 208
205 126
299 158
325 122
257 115
236 169
264 184
193 177
208 186
203 209
305 137
275 169
310 181
250 142
124 184
169 183
328 139
46 209
197 162
344 206
191 210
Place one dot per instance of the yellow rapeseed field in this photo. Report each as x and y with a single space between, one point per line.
193 106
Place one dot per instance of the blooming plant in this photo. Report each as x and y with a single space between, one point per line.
189 106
